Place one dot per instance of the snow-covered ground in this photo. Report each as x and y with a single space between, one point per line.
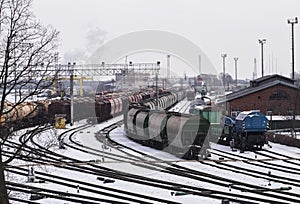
87 137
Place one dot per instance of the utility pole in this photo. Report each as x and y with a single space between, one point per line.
262 42
255 70
156 86
224 56
71 91
168 67
235 63
292 22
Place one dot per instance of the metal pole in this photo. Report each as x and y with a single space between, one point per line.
168 66
156 87
255 69
292 22
224 56
262 55
235 60
262 59
71 93
293 68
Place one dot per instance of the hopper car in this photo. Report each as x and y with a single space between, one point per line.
183 135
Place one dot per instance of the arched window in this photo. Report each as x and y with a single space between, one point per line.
279 95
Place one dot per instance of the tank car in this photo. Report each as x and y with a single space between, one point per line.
186 135
108 107
23 115
157 130
114 106
180 134
129 122
145 95
165 101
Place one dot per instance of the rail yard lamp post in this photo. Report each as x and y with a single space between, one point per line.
262 42
292 22
224 56
235 65
156 85
71 69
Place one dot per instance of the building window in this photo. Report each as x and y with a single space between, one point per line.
279 95
290 112
269 113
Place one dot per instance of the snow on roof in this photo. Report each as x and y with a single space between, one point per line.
282 117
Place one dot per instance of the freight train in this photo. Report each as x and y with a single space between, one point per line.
101 108
246 131
111 105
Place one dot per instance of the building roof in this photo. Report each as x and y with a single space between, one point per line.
270 78
258 85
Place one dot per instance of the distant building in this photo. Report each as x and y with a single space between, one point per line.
132 80
272 95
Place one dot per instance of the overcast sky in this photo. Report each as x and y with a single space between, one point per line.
216 26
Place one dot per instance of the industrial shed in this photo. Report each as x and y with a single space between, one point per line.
272 95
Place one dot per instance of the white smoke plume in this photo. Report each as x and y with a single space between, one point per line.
94 39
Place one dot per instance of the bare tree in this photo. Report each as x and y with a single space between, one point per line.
27 51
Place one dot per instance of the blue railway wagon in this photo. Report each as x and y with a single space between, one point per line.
250 128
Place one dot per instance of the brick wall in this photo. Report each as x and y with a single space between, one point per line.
261 101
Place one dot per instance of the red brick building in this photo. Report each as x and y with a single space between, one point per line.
274 94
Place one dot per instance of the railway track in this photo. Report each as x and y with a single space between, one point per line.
140 180
264 171
79 166
193 173
96 168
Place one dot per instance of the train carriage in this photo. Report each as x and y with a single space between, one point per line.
157 130
246 131
130 125
113 105
250 128
102 110
186 135
125 103
119 106
141 122
62 107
